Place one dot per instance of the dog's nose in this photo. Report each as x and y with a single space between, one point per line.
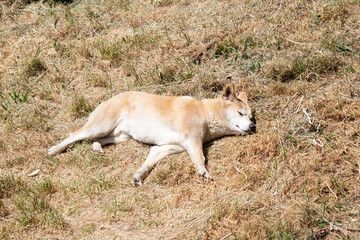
252 127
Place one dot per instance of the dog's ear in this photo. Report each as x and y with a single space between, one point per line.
229 92
243 97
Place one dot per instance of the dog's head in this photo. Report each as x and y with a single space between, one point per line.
237 111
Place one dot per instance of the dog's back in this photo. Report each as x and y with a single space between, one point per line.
150 118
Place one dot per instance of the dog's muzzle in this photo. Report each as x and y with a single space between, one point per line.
252 128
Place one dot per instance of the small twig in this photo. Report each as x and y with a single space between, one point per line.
225 237
338 227
34 173
241 172
287 103
319 234
307 115
301 99
353 229
167 205
299 43
277 10
330 188
318 142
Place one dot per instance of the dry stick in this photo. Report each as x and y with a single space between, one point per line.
341 228
168 37
298 109
318 142
307 115
301 99
167 205
338 227
287 103
353 229
16 46
277 10
226 236
330 189
299 43
241 172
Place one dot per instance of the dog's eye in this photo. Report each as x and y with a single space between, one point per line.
240 113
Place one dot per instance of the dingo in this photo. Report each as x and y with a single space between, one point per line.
172 124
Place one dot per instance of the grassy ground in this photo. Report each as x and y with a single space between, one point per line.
297 178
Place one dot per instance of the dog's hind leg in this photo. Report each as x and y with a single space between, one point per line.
156 154
88 131
99 142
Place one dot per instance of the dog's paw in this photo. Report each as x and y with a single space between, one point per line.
52 151
97 147
206 175
137 181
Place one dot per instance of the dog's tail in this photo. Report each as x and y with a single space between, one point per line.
88 131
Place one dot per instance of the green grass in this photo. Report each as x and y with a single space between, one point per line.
10 184
80 107
31 203
47 186
35 67
3 210
281 232
307 67
98 184
35 210
116 210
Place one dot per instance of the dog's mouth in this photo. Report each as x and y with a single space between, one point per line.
241 129
249 131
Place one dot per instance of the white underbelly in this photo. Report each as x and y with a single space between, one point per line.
153 132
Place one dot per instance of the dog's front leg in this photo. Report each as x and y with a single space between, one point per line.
156 154
195 150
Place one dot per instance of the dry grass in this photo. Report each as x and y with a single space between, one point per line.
297 177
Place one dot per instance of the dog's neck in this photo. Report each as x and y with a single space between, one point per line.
216 126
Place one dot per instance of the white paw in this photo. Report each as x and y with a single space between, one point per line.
137 182
97 147
52 151
138 179
206 175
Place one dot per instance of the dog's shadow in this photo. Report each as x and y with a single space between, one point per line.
206 148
